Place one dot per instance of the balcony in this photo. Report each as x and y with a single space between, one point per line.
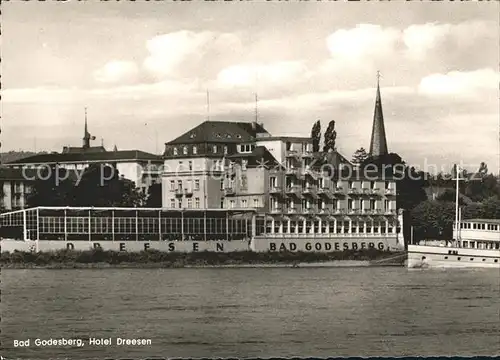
275 190
276 210
338 190
292 153
325 211
390 211
188 191
310 190
294 190
339 211
309 210
389 192
178 192
291 170
229 191
291 210
374 191
353 191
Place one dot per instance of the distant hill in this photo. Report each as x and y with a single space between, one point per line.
7 157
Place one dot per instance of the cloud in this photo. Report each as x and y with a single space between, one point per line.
419 39
460 83
179 50
277 73
361 41
116 71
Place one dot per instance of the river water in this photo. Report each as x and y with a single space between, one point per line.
252 312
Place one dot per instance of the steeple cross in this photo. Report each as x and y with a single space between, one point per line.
378 75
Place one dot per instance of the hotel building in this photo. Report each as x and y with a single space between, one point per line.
295 191
141 167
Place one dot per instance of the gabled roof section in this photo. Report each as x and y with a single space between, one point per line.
88 156
220 132
259 157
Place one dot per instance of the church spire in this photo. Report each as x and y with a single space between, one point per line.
378 143
86 135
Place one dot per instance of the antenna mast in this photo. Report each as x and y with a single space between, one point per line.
208 106
256 108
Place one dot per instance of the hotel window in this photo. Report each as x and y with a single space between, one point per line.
321 204
172 185
179 203
244 203
350 184
305 204
195 150
350 204
214 149
185 150
373 204
346 227
179 184
222 204
387 205
255 203
372 184
197 184
189 185
225 150
335 204
190 164
190 203
176 151
354 226
181 167
232 204
272 182
222 184
320 183
387 185
197 203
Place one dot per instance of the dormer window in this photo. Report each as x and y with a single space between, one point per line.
195 150
185 150
176 151
225 150
238 136
192 136
214 149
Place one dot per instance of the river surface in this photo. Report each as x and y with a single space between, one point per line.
252 312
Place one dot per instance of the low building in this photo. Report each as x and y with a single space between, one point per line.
15 187
141 167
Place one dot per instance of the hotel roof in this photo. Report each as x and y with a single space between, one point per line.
220 132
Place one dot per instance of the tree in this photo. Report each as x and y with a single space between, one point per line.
330 137
359 156
103 186
53 186
491 208
316 136
154 196
433 219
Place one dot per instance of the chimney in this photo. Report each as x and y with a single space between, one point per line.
254 125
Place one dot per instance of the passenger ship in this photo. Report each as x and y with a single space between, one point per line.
476 244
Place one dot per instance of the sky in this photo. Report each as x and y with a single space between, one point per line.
143 70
